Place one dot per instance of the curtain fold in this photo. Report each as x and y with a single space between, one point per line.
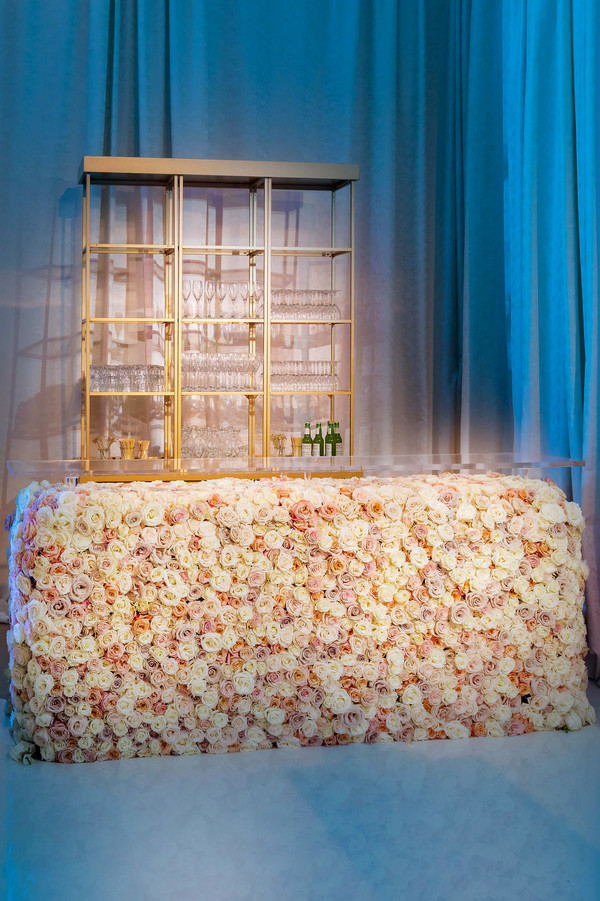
475 125
551 239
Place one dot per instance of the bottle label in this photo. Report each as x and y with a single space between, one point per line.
328 450
307 450
316 450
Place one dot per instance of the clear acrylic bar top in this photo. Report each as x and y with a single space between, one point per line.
254 467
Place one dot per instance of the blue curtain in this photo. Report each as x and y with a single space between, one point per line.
475 124
552 149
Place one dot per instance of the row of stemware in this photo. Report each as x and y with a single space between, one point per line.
306 304
219 371
304 375
231 300
212 441
218 299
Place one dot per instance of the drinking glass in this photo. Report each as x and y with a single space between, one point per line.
244 296
258 295
222 297
209 293
198 290
189 304
233 293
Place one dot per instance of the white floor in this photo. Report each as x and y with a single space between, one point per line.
481 819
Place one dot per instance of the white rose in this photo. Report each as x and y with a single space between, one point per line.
211 642
506 665
493 729
411 695
456 730
275 716
564 702
125 705
553 513
419 558
338 701
449 695
466 511
573 721
574 514
243 683
219 719
43 685
437 658
256 735
502 713
395 659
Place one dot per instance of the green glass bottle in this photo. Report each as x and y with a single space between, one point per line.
338 439
330 446
307 441
318 445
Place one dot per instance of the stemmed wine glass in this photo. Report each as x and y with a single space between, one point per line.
258 296
188 305
244 295
234 289
198 290
209 293
222 296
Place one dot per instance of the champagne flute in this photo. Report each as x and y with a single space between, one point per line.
258 296
244 295
209 291
186 287
233 292
222 296
198 290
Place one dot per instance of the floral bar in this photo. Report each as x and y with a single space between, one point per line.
156 619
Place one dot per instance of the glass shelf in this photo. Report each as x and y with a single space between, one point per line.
129 319
222 250
132 393
244 392
131 248
223 321
311 322
309 251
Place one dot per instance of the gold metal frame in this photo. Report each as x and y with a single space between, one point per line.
173 174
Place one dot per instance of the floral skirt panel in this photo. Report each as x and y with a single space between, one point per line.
232 615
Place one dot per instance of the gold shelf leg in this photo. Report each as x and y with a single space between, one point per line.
251 425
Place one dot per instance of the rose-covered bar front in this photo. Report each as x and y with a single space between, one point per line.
170 618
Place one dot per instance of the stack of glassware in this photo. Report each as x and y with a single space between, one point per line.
127 378
304 304
212 441
220 371
304 375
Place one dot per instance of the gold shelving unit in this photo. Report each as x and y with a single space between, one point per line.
270 191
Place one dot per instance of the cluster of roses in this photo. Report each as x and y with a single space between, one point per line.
162 618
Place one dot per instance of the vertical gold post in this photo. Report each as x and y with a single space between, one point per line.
179 312
84 387
176 314
168 356
267 322
352 323
87 201
332 286
251 314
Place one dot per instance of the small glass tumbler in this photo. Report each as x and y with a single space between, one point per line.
127 448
